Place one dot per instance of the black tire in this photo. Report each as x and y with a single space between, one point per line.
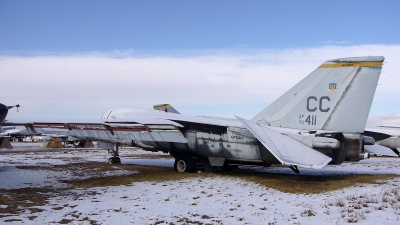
185 163
114 160
230 167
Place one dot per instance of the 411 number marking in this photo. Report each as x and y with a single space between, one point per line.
310 120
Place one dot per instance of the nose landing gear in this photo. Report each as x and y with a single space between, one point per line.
114 159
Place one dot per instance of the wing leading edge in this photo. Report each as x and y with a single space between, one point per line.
287 150
139 129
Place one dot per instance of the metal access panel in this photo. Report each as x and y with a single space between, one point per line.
105 145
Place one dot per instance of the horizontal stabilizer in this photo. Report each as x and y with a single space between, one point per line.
378 136
287 150
379 150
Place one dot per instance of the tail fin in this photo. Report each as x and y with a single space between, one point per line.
165 108
3 113
336 96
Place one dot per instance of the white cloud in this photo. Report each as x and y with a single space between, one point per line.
85 85
393 119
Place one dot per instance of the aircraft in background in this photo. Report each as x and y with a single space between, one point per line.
386 135
21 133
4 110
318 121
16 132
4 142
165 108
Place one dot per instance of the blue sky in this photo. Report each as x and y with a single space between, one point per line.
80 26
61 58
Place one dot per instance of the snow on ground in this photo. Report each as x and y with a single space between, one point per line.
32 154
211 200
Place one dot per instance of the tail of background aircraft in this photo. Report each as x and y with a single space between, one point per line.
4 142
337 96
3 112
165 108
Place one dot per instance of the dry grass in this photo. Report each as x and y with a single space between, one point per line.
146 173
297 183
291 183
19 199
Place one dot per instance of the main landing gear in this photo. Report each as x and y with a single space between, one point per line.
114 159
185 163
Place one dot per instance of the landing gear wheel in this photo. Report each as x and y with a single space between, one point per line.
185 163
230 167
114 160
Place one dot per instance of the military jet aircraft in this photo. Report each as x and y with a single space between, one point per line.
4 110
316 122
18 132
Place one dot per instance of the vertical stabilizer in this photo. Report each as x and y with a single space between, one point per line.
3 113
336 96
165 108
